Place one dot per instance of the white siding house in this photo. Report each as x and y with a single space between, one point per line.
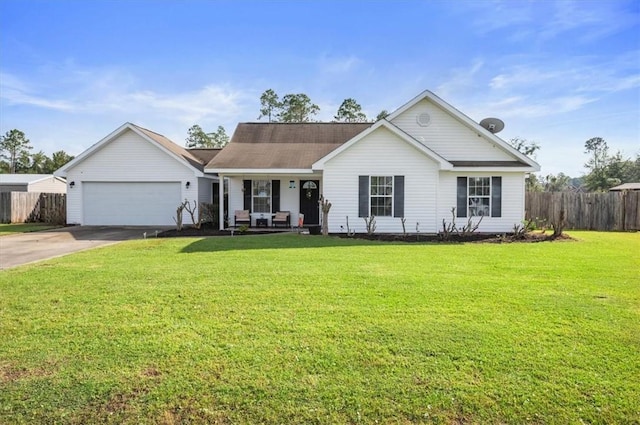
424 160
133 177
381 153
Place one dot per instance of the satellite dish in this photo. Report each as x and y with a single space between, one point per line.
494 125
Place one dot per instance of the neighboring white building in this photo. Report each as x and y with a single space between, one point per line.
47 183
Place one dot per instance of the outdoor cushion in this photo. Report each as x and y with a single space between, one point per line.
281 217
242 217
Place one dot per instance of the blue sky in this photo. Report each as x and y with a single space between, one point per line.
557 72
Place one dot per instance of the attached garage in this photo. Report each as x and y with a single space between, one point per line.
130 203
135 177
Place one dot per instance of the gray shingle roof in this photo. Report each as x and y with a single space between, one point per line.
204 154
283 145
168 144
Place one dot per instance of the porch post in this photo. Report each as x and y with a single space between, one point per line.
221 201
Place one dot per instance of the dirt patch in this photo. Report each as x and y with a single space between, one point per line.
179 415
121 401
12 373
151 372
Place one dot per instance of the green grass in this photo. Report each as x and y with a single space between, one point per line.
12 229
295 329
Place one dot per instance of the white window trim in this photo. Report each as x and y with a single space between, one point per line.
254 196
489 197
382 196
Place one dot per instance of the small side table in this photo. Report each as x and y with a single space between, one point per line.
262 222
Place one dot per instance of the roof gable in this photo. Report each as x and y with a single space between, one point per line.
443 163
464 127
179 153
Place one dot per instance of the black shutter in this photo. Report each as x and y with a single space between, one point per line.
496 196
398 196
363 196
247 194
461 208
275 196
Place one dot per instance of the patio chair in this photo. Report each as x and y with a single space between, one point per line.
241 217
281 218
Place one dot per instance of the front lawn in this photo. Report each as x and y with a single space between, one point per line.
13 228
300 329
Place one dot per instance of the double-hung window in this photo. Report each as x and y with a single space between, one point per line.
479 199
261 194
381 196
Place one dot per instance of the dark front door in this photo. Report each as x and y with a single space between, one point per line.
309 196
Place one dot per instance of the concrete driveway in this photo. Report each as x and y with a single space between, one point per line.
24 248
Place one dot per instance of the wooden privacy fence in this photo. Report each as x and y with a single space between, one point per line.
587 211
23 207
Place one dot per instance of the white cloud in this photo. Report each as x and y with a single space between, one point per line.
537 88
528 107
591 20
543 21
98 92
461 79
528 75
338 65
188 107
14 91
494 15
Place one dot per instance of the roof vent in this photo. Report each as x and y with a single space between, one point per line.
423 119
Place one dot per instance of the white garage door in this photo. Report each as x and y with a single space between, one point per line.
135 204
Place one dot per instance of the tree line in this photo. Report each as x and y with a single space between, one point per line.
604 170
16 156
291 108
299 108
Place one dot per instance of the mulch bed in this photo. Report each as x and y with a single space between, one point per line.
530 237
206 231
474 238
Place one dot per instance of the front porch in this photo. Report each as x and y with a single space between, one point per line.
258 198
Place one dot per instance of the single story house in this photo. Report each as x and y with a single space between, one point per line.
418 164
135 176
32 183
